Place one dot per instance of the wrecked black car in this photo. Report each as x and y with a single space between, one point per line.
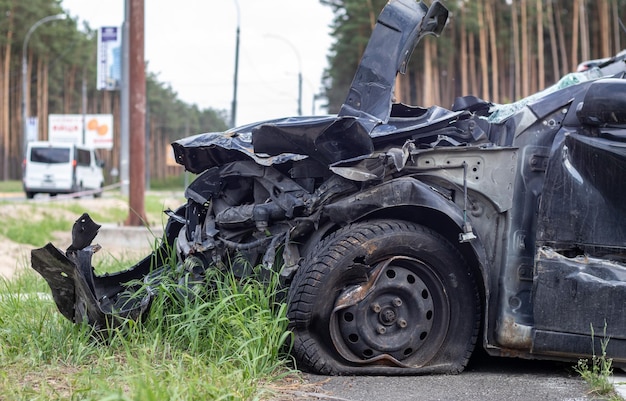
405 235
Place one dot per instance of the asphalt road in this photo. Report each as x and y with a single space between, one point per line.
485 379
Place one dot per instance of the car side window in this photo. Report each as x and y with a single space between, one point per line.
83 157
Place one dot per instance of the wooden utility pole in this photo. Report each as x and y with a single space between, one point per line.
137 104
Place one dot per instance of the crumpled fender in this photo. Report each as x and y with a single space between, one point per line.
408 192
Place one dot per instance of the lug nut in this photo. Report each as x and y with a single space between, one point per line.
381 330
397 302
402 323
375 307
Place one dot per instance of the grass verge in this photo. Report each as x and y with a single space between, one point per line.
34 223
11 186
226 342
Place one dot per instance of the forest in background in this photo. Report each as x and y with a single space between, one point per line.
498 50
60 55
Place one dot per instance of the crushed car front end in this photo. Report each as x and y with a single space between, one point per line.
259 188
399 232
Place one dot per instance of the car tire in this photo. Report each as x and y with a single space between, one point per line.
383 297
99 193
78 191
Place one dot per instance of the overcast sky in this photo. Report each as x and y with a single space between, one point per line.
190 44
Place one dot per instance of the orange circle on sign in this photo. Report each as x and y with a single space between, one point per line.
92 124
102 130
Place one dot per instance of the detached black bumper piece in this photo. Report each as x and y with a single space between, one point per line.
104 301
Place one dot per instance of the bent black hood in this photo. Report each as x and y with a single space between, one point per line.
329 139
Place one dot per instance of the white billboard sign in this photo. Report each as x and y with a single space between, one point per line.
98 129
109 69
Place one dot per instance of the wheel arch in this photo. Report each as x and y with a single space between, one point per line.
473 252
411 200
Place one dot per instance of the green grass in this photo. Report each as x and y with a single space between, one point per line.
110 214
11 186
35 223
230 342
598 370
35 231
172 183
226 343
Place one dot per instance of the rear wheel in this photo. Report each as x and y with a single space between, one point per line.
78 191
99 193
384 297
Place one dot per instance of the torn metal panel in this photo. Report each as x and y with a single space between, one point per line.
490 171
81 296
399 28
579 294
104 301
586 174
203 151
323 139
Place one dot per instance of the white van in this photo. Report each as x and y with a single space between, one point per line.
56 168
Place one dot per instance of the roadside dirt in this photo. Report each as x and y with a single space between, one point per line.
15 256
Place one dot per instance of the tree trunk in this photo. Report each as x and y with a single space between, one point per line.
447 75
70 83
473 79
463 59
27 99
517 65
15 144
526 55
584 32
372 14
541 69
398 90
575 27
427 92
482 48
605 28
43 120
553 44
436 76
157 143
617 47
561 37
495 74
39 97
5 98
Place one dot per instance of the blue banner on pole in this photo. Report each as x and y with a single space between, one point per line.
109 69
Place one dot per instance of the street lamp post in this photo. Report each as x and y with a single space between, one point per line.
24 81
233 108
295 51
